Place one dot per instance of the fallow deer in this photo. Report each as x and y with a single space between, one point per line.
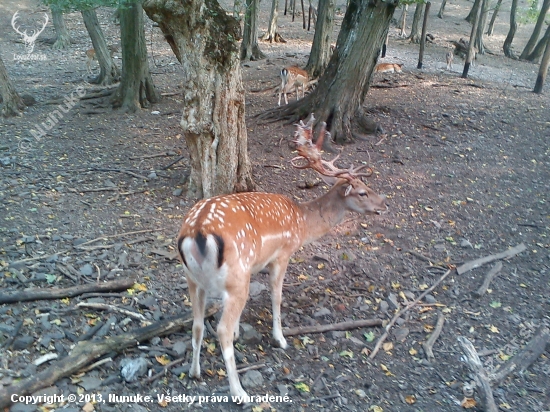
388 68
225 239
292 76
90 56
450 56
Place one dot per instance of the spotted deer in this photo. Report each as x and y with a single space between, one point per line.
292 76
90 56
225 239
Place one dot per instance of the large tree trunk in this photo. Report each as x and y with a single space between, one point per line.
109 73
491 27
320 50
342 89
416 27
543 70
530 46
204 39
12 103
136 89
507 47
481 27
271 35
249 46
540 47
470 56
63 39
442 9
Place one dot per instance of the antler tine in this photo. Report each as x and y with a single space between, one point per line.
13 21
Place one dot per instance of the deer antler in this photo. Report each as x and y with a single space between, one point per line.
13 20
312 154
36 33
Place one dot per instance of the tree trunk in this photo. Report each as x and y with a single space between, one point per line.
481 27
470 17
342 89
12 103
530 46
109 73
249 46
271 35
320 49
136 89
477 9
507 47
540 47
423 37
442 9
494 18
63 39
205 40
403 21
416 27
543 70
238 9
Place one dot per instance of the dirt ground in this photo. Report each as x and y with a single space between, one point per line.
465 168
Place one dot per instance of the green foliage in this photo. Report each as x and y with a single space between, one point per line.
529 14
404 3
79 5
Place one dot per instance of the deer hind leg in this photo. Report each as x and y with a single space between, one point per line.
198 300
232 309
276 276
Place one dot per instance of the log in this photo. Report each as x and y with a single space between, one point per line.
481 261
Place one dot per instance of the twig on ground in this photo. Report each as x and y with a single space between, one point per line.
401 312
45 358
172 163
488 279
251 368
481 261
334 326
95 365
429 344
105 306
482 381
420 256
38 257
163 154
165 369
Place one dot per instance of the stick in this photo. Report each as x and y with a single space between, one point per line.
429 344
525 357
173 163
251 368
105 306
165 369
488 279
482 381
96 364
135 232
38 257
158 154
334 326
401 312
85 352
481 261
420 256
57 293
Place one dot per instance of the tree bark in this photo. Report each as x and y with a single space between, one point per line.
403 21
205 40
271 35
491 27
471 52
540 47
442 9
543 70
12 103
63 39
507 47
109 73
530 46
415 26
249 46
423 36
136 89
481 27
343 87
320 49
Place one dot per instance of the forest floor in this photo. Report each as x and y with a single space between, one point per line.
464 164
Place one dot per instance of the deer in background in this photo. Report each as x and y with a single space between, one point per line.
90 56
292 76
450 56
225 239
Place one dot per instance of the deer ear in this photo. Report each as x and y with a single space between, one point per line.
329 180
348 190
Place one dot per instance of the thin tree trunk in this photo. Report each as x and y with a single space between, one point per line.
136 89
63 39
12 103
320 49
271 35
423 37
507 47
530 46
540 47
471 49
109 73
442 9
491 27
403 21
249 46
543 70
416 27
205 40
481 27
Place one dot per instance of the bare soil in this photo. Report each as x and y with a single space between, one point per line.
464 165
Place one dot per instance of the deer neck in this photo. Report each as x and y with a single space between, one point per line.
322 214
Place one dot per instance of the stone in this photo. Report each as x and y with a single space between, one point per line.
132 369
180 347
250 335
252 379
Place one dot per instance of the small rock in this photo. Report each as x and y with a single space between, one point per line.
177 192
256 288
361 393
86 270
392 300
430 299
180 347
384 306
79 241
22 342
250 335
322 312
152 175
252 379
132 369
90 383
283 389
182 369
439 247
401 334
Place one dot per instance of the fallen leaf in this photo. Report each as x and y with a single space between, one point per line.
468 403
388 346
369 336
413 351
163 360
347 353
376 408
410 399
301 386
88 407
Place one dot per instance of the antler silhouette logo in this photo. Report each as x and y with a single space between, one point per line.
28 39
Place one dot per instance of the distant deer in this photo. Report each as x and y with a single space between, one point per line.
225 239
450 56
90 56
292 76
29 40
388 68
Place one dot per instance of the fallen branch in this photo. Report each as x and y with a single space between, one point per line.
334 326
135 232
401 312
481 261
87 351
525 357
38 257
420 256
488 279
56 293
482 381
251 368
105 306
429 344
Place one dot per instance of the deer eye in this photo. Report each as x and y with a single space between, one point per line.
363 194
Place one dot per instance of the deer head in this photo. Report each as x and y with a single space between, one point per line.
28 39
